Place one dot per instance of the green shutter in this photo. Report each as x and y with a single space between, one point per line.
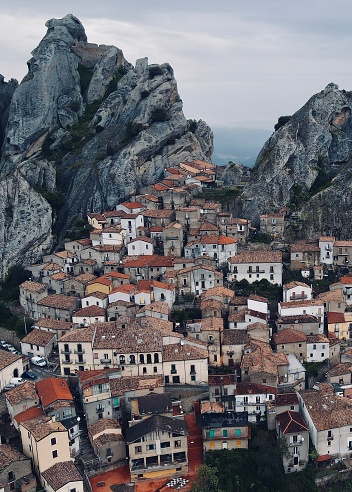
224 433
116 402
238 432
211 434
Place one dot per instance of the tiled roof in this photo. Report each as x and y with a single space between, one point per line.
38 337
119 386
257 257
84 278
336 317
102 281
291 422
102 425
59 276
59 301
347 280
52 389
64 254
90 311
288 335
53 324
263 359
258 326
51 267
295 304
285 399
158 213
317 339
144 239
156 307
341 369
97 294
60 474
147 260
343 243
154 403
29 414
304 247
221 380
79 335
254 389
41 427
176 351
332 296
327 411
8 455
34 287
7 358
235 337
293 284
211 304
298 318
255 297
24 391
327 238
237 316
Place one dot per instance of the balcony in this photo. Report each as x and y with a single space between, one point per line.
192 372
299 442
100 409
255 271
68 351
78 361
299 297
171 238
105 361
66 361
78 351
330 438
173 371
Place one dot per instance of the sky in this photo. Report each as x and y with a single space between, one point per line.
238 63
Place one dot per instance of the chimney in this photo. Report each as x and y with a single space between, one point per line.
53 418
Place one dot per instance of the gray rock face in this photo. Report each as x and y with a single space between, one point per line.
6 92
311 151
88 126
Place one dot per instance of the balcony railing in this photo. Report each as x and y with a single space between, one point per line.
330 438
78 361
105 361
78 351
66 361
68 351
99 409
255 271
296 443
173 371
299 297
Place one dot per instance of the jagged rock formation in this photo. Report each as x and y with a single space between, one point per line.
235 174
84 129
306 164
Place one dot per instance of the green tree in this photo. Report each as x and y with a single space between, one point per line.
206 480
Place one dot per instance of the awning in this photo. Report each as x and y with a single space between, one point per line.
324 457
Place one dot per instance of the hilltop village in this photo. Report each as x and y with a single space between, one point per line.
155 349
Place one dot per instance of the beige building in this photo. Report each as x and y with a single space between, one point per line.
21 398
15 471
272 224
291 341
57 306
232 346
157 447
255 266
30 293
291 427
185 364
45 441
225 430
38 343
108 443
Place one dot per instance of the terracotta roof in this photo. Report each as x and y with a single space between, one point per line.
288 335
29 414
258 326
211 304
327 411
157 307
84 278
235 337
113 274
253 389
59 301
52 389
295 304
158 213
38 337
51 267
298 318
59 276
97 294
332 296
24 391
304 247
293 284
285 399
79 335
327 238
222 379
317 339
257 257
176 351
341 369
53 324
101 280
8 455
7 358
335 317
263 359
291 422
90 311
102 425
347 280
43 426
119 386
60 474
144 239
34 287
346 243
254 297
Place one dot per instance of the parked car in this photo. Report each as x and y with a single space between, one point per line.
8 387
28 375
16 381
38 361
12 349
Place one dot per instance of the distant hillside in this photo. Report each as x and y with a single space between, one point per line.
238 145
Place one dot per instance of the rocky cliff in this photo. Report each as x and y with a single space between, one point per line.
84 129
306 165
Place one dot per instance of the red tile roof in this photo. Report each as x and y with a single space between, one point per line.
53 389
29 414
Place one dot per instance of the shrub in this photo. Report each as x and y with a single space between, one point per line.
154 71
158 115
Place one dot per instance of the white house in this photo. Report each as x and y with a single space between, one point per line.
318 348
221 248
130 223
326 246
141 245
297 291
99 299
256 265
313 307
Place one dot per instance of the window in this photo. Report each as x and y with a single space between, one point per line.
224 433
211 433
150 447
238 433
53 441
165 444
211 444
54 454
177 444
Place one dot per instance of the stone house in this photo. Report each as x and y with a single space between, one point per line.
272 224
159 218
329 420
291 427
21 398
16 470
326 245
185 364
11 366
57 306
306 323
108 443
30 293
342 252
38 343
157 447
172 237
334 301
291 341
76 286
340 374
89 315
233 344
252 398
262 366
304 255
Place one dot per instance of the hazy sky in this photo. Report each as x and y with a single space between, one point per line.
237 62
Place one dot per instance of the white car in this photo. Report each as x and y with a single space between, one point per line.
16 381
38 361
